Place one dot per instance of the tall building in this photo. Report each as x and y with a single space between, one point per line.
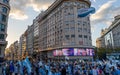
111 35
11 49
4 12
36 34
60 27
16 50
29 40
100 42
22 44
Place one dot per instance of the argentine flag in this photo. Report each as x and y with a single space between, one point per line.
28 65
86 11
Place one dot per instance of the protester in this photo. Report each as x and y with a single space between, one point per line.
16 69
60 67
95 71
118 70
4 69
11 67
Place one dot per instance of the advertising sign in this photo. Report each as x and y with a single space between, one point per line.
74 52
68 52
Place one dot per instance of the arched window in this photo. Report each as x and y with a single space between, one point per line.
2 36
2 27
4 9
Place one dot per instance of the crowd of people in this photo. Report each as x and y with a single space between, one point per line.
60 67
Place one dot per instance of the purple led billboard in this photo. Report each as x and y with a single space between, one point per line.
74 52
57 53
68 52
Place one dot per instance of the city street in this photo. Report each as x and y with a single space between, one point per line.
60 37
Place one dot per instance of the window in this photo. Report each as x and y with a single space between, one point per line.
81 42
72 36
71 8
72 28
67 24
67 36
3 18
78 23
84 23
90 38
5 1
85 29
79 29
69 13
2 36
66 29
2 27
85 36
72 43
4 9
80 36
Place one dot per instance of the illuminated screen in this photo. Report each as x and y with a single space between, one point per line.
90 52
74 52
80 52
57 53
68 52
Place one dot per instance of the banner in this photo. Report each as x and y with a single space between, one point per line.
83 12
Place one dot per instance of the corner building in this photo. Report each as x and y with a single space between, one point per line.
4 12
60 27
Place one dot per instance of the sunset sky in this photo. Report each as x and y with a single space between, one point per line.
24 11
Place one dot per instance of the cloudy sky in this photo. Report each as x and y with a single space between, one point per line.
24 11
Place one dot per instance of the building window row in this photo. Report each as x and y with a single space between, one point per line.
4 10
80 36
68 36
3 17
2 27
2 36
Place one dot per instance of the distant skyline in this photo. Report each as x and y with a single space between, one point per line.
24 11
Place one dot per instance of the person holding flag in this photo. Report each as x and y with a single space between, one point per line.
20 67
27 65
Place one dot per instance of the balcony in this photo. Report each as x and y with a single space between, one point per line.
3 42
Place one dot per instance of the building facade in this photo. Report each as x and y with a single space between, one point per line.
16 50
12 53
99 42
60 27
116 32
22 44
4 12
36 34
29 40
111 36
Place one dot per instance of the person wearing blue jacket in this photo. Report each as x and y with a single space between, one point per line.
11 68
118 70
42 71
